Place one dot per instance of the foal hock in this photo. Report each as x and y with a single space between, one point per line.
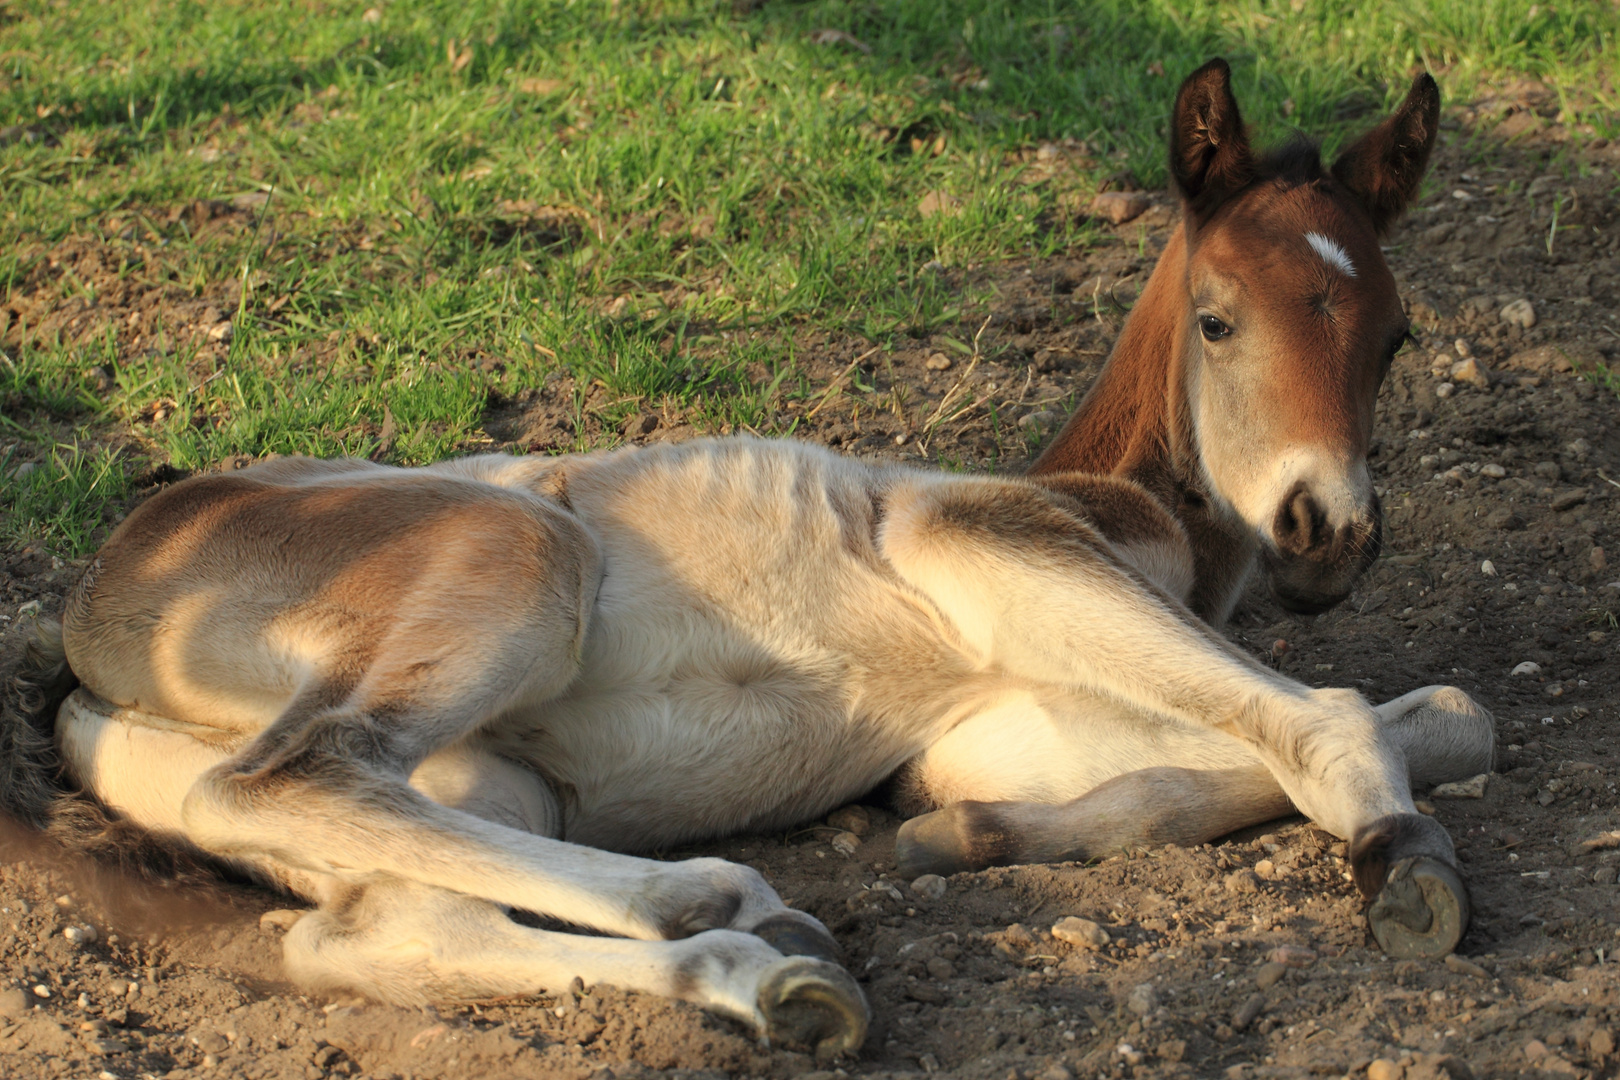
421 697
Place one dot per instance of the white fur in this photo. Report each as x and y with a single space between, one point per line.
1332 253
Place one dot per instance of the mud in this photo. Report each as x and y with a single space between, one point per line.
1247 958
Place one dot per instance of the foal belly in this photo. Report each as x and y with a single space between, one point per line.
645 767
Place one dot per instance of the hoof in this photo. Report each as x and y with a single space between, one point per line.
798 935
813 1005
961 838
1422 910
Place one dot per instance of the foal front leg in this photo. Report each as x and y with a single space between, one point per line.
1033 591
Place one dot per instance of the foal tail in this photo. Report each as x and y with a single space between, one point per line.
29 765
35 789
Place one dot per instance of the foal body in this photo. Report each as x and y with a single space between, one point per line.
419 697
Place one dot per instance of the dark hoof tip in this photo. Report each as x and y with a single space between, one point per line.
799 936
813 1005
940 843
1422 910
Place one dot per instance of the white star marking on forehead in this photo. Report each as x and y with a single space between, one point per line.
1331 253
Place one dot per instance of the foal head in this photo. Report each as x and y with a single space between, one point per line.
1289 322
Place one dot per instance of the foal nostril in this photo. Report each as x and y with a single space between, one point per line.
1301 525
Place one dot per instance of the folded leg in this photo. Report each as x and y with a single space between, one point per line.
408 943
405 941
1058 785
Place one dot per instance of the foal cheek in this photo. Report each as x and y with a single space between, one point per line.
1235 419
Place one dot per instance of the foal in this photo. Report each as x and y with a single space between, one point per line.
421 697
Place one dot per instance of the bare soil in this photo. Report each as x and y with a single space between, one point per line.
1517 468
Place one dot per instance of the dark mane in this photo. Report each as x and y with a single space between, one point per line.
1296 161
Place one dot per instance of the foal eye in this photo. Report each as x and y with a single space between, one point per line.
1212 328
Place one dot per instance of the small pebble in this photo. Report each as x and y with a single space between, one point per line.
1040 421
80 935
1445 390
1520 313
1528 667
929 887
1383 1069
1082 932
1242 881
1469 370
1293 955
1246 1013
1143 999
1493 470
1120 206
1268 974
1488 568
853 819
937 362
41 991
1266 870
1472 788
845 843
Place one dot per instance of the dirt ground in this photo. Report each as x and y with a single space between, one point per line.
1247 958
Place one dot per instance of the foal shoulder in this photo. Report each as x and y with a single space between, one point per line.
1136 525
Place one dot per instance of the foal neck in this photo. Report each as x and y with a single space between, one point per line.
1136 423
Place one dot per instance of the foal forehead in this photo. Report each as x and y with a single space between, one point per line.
1304 239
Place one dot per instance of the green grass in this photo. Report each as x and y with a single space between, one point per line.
661 197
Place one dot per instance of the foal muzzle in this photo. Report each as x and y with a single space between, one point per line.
1312 562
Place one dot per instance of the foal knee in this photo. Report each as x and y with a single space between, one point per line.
711 894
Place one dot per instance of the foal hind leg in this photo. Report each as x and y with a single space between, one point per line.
404 942
408 943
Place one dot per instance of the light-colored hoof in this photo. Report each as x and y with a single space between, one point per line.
813 1005
1422 910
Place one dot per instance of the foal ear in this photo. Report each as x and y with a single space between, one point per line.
1385 166
1209 151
